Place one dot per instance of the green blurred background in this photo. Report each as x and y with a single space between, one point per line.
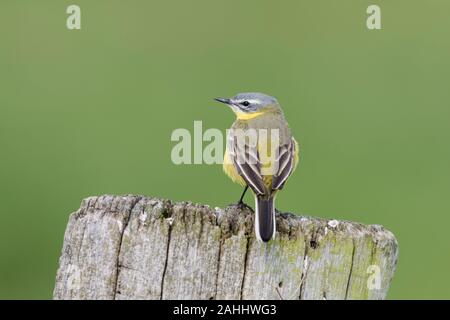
91 112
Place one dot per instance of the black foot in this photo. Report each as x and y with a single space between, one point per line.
241 205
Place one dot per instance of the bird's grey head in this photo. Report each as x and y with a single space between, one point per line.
251 102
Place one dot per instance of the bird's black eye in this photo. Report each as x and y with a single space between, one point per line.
245 103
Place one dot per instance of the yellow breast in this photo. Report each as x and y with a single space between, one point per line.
231 171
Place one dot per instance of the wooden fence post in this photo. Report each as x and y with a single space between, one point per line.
134 247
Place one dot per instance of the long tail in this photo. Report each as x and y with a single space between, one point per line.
265 218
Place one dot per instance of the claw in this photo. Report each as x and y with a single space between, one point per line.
241 205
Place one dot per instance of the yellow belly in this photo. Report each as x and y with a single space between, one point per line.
296 155
231 171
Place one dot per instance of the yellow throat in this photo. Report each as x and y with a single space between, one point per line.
248 116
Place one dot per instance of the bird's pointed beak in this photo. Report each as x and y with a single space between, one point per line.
223 100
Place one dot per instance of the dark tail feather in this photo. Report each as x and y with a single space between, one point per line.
265 218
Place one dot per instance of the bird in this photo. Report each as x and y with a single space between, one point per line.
260 153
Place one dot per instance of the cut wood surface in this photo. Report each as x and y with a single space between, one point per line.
135 247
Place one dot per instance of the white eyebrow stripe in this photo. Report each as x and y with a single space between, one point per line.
249 100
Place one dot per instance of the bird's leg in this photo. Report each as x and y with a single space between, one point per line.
241 199
241 203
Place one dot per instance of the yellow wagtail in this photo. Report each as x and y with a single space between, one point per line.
260 153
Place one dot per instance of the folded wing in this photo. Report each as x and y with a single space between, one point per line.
247 161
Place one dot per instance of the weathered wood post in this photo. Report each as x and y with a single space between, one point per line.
134 247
